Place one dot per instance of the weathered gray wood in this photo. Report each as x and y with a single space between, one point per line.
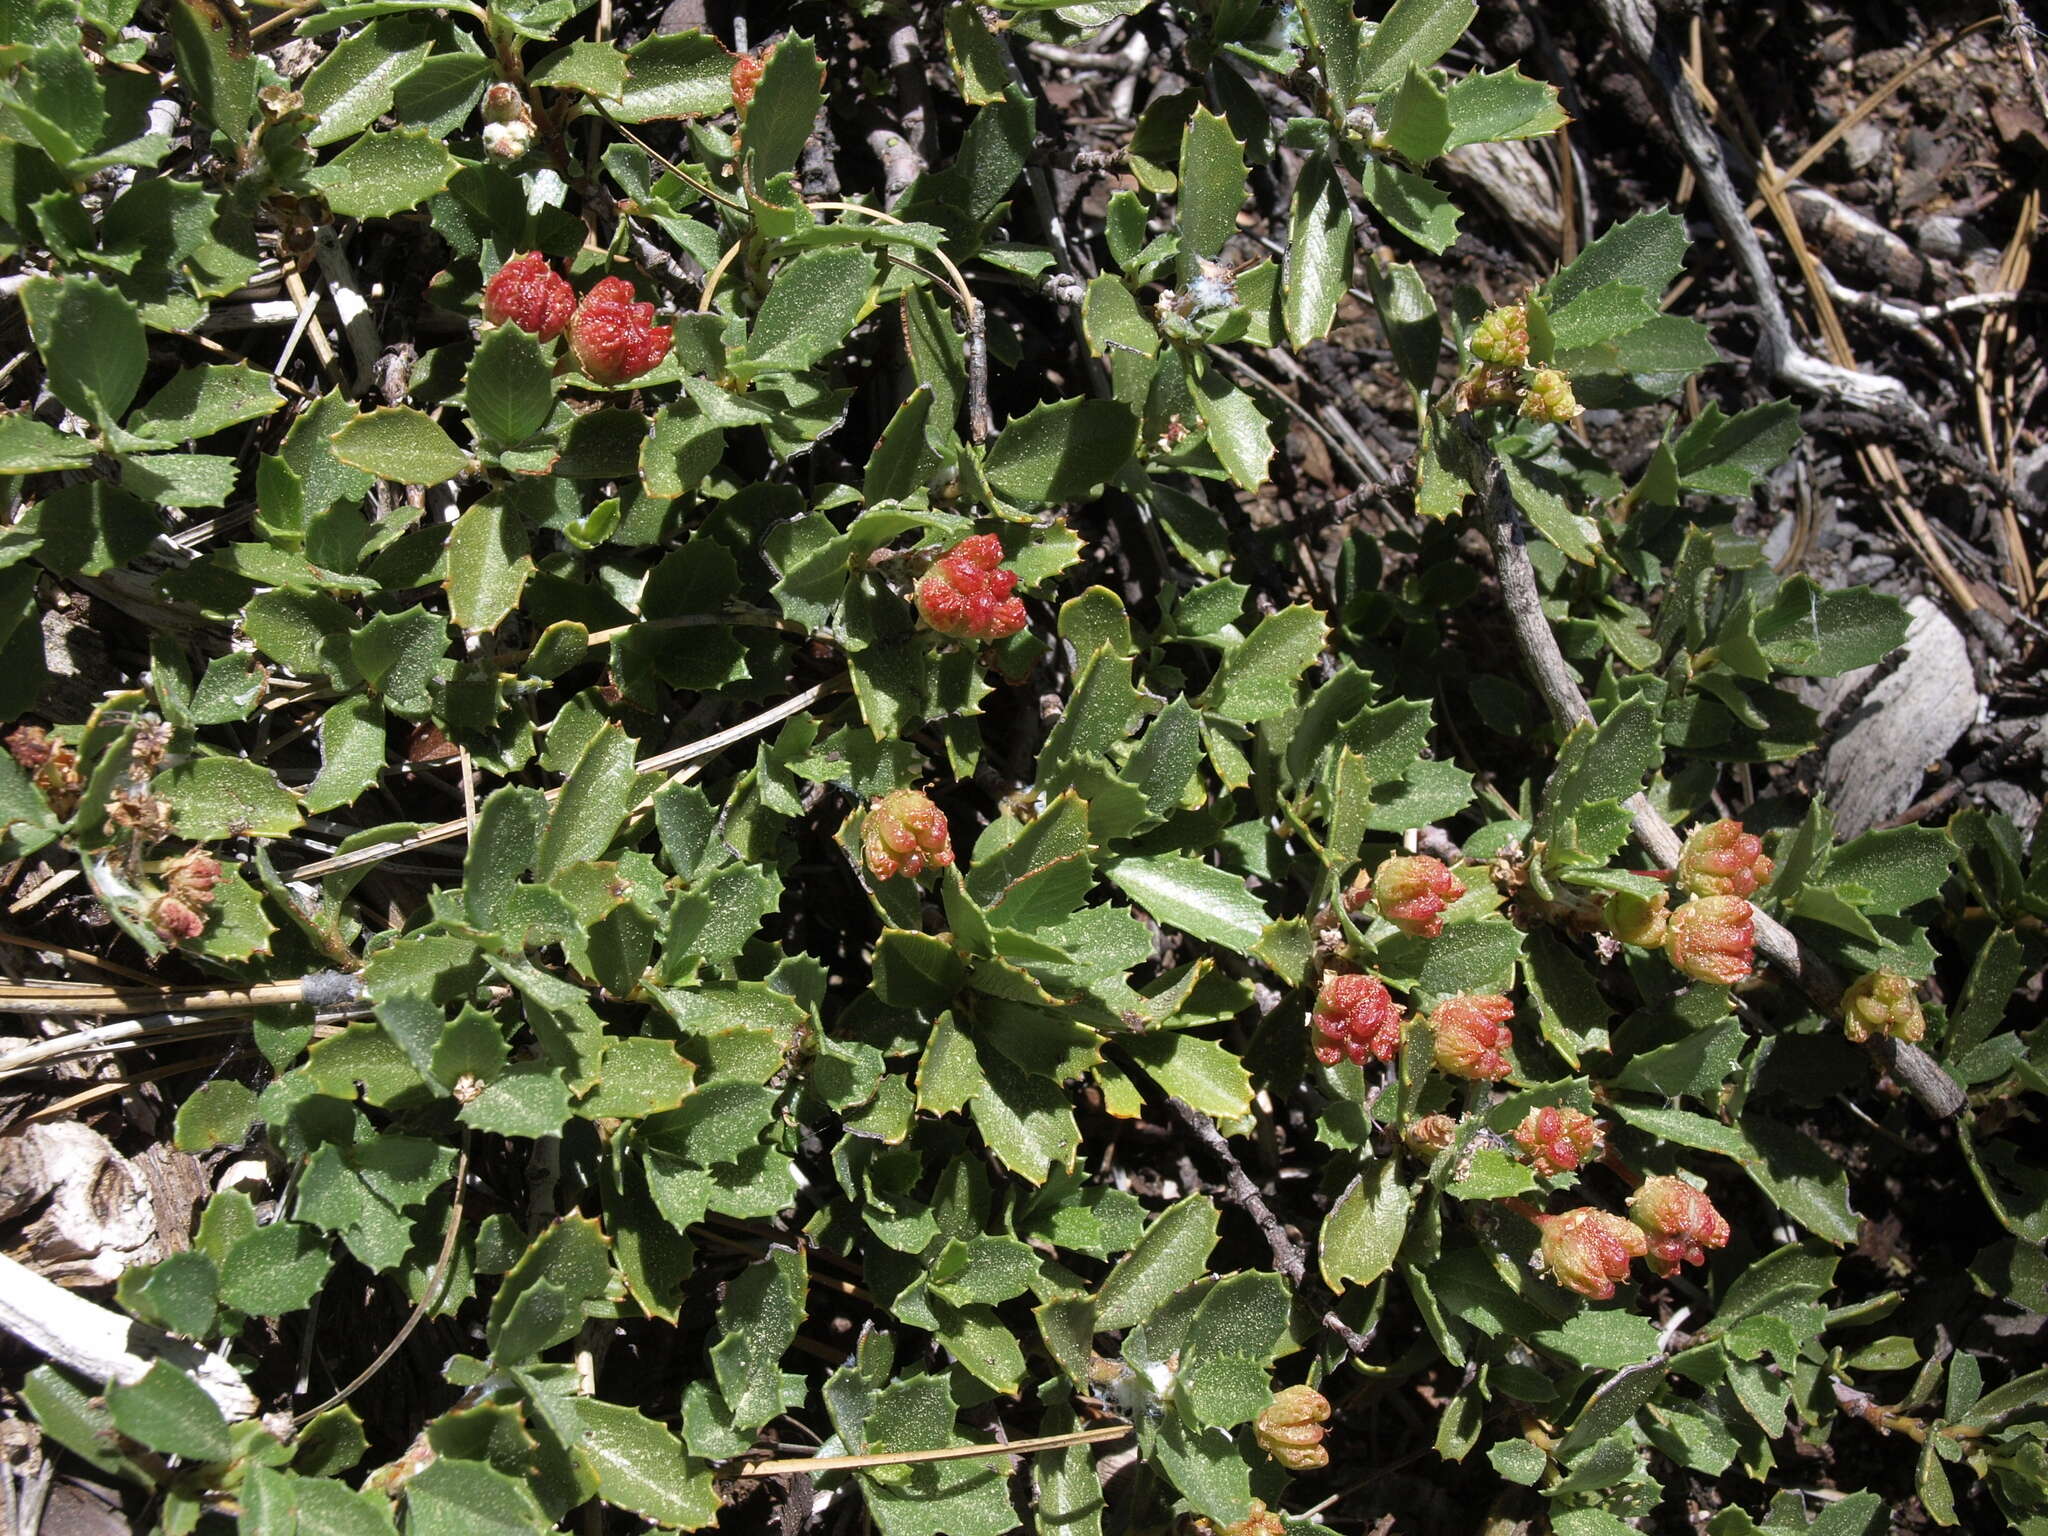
1882 748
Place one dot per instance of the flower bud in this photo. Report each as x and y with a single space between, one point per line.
528 293
1882 1003
1713 938
615 340
966 594
1636 921
192 878
1555 1140
174 920
1356 1017
1588 1250
1290 1428
1472 1034
189 883
1720 859
508 124
905 835
1430 1135
1502 336
1550 398
1412 890
1680 1221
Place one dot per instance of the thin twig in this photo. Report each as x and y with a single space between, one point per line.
661 762
804 1465
1288 1258
428 1297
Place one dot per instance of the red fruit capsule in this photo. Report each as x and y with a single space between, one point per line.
614 339
1679 1221
1412 890
1472 1035
1356 1016
1555 1141
1713 938
1588 1250
966 594
530 294
905 835
1720 859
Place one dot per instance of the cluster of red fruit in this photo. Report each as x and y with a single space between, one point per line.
1588 1250
613 339
1712 937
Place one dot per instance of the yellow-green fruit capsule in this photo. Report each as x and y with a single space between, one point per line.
1502 336
1550 398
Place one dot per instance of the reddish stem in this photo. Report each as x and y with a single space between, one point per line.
1525 1210
1619 1164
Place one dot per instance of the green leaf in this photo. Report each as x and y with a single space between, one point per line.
1238 430
639 1465
28 447
97 381
170 1412
1810 632
1112 319
275 1269
1645 252
385 173
1212 188
1725 455
510 387
1334 33
351 753
275 1501
1062 451
1413 34
1200 1071
1409 316
400 654
218 1114
352 87
1172 1255
1258 677
198 402
1366 1227
812 304
1490 109
600 792
594 68
221 797
540 1302
469 1498
216 66
396 442
1025 1119
1197 898
787 100
1413 204
757 1322
1417 124
1894 869
673 75
488 565
1319 252
90 528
